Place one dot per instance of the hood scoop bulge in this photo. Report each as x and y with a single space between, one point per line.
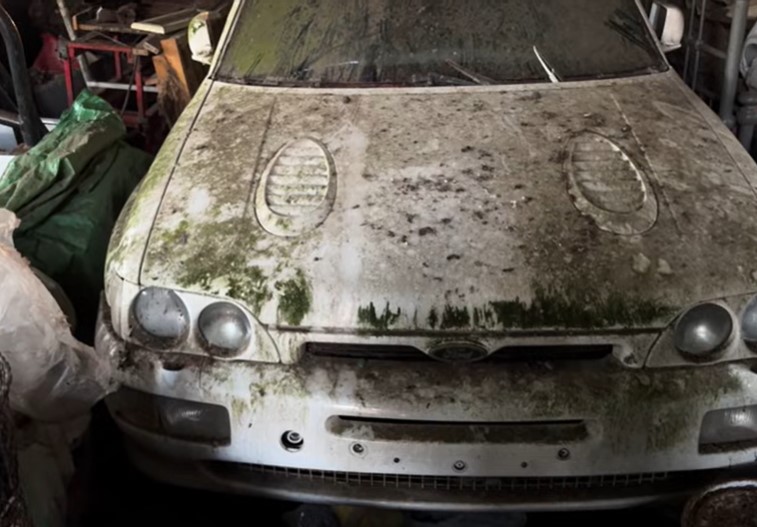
607 186
297 190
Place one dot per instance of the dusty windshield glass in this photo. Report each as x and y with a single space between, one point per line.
436 42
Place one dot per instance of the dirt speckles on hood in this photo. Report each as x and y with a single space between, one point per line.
452 210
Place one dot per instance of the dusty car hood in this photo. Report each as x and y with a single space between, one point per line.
455 209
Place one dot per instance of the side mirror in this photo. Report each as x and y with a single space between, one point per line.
669 23
205 31
200 40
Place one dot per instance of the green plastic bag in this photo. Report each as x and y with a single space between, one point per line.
35 183
68 191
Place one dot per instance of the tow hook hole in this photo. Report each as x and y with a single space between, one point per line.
563 454
524 465
292 441
459 466
396 460
357 449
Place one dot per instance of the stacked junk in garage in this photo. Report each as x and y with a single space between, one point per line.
88 93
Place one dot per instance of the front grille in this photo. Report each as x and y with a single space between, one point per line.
365 352
505 354
441 483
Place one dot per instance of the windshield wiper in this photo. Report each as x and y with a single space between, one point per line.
437 79
472 75
276 82
547 68
630 29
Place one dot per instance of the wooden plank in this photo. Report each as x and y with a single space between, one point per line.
177 74
166 24
189 73
172 98
106 28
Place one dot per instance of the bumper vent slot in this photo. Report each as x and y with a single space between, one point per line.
459 432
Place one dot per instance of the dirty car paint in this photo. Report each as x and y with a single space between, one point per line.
453 209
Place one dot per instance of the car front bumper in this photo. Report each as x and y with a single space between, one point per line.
433 435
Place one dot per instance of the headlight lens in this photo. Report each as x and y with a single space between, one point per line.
161 314
224 328
749 322
703 330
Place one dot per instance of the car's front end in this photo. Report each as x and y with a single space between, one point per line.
532 296
424 434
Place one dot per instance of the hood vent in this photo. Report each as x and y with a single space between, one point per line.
297 190
607 186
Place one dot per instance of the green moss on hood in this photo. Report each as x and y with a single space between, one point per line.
455 317
555 308
433 318
367 316
216 261
295 299
579 308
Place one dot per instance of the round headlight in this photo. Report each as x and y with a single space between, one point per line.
703 330
161 314
749 322
224 328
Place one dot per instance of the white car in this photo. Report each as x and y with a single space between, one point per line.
434 254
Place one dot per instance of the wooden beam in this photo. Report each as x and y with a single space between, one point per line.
166 24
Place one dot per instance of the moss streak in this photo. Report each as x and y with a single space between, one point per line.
367 316
295 300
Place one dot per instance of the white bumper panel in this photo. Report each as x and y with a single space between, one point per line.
446 421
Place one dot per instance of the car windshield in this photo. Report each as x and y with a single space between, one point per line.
436 42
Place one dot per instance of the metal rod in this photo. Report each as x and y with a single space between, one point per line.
689 40
731 75
32 129
698 47
68 68
710 50
120 86
83 64
9 118
139 79
746 136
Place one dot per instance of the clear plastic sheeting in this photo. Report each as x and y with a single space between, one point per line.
55 377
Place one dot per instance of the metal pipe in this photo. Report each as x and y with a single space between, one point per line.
9 119
709 50
746 136
746 117
731 76
698 47
83 64
32 129
120 86
689 40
